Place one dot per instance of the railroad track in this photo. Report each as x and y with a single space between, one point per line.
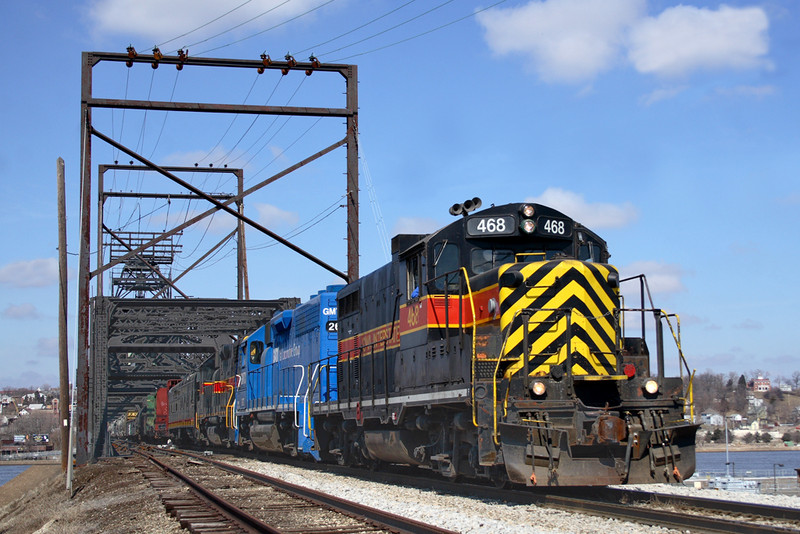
649 508
695 514
237 500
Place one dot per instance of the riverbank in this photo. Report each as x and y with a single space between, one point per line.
33 477
743 447
31 462
109 496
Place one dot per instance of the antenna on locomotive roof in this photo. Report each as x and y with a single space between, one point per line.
465 207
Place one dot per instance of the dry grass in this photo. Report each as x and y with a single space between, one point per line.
110 497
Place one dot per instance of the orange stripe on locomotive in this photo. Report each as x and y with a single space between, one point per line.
429 312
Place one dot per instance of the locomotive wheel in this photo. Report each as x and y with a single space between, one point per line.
375 465
500 477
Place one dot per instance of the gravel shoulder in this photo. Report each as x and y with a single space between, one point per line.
113 497
110 497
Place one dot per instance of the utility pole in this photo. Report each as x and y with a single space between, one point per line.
63 359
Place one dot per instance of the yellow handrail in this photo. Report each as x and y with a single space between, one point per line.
494 383
472 359
677 338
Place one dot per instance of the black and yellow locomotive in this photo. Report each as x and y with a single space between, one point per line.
495 348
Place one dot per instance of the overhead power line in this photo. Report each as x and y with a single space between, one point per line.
262 31
376 19
208 23
391 28
413 36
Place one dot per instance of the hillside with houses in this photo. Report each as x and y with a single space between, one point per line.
758 410
29 421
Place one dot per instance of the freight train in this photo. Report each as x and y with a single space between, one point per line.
498 347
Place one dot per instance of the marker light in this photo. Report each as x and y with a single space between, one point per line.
528 226
538 388
651 386
527 210
629 370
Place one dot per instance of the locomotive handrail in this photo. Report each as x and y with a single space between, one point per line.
659 314
645 288
297 393
464 273
500 356
307 416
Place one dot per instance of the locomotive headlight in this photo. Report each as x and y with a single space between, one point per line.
528 226
651 386
538 388
527 211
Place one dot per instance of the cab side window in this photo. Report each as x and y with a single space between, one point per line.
446 262
413 276
256 349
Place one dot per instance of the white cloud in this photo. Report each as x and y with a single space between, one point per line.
415 225
661 277
33 273
661 94
271 216
159 20
573 41
593 215
683 39
566 40
23 311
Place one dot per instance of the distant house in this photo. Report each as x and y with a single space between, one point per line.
760 384
711 418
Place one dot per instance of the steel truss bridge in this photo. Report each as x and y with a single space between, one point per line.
139 344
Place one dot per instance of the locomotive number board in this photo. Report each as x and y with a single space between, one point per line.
491 226
554 226
507 225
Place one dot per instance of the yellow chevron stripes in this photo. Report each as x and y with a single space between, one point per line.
551 292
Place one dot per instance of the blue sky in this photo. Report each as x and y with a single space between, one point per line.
669 128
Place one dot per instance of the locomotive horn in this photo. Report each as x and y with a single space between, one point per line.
472 205
456 209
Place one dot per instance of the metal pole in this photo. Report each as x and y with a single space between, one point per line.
775 475
241 270
352 174
84 276
63 358
659 345
71 443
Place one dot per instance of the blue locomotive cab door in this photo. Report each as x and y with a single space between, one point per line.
255 357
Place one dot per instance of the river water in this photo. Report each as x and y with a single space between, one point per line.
749 463
7 472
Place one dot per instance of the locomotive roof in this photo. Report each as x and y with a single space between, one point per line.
403 243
